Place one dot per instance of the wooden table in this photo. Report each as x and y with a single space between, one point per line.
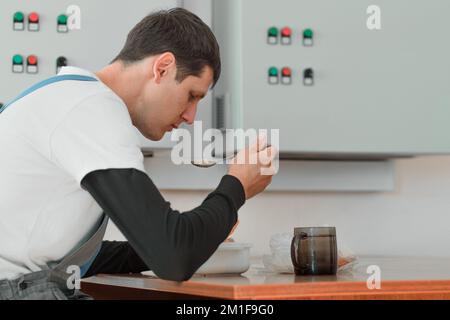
401 278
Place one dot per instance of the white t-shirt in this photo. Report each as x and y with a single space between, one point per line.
49 141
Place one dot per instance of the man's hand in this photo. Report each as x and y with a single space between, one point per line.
253 167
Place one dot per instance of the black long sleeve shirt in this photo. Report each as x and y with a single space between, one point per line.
172 244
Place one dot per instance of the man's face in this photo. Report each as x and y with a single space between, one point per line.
166 103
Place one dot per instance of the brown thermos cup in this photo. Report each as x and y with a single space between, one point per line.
314 251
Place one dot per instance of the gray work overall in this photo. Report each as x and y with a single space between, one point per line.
56 282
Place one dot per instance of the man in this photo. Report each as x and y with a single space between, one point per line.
69 155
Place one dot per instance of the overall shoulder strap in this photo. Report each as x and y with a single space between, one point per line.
49 81
83 257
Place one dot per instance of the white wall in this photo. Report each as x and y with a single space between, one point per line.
412 221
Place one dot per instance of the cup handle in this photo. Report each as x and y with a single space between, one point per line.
293 254
296 254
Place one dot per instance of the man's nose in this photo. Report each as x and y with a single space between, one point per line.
189 115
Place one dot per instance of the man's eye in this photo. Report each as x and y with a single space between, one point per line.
191 97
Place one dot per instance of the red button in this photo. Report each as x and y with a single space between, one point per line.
286 32
32 60
33 17
287 72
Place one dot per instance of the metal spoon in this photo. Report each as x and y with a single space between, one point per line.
205 164
209 164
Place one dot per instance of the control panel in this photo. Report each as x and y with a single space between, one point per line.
41 37
332 85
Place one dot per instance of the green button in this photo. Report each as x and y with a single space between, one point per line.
62 19
273 72
308 33
18 59
273 32
19 17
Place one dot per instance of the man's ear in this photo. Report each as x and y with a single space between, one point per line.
163 65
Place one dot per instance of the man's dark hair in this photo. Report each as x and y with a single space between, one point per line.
177 31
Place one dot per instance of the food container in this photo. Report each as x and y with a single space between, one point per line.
230 258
